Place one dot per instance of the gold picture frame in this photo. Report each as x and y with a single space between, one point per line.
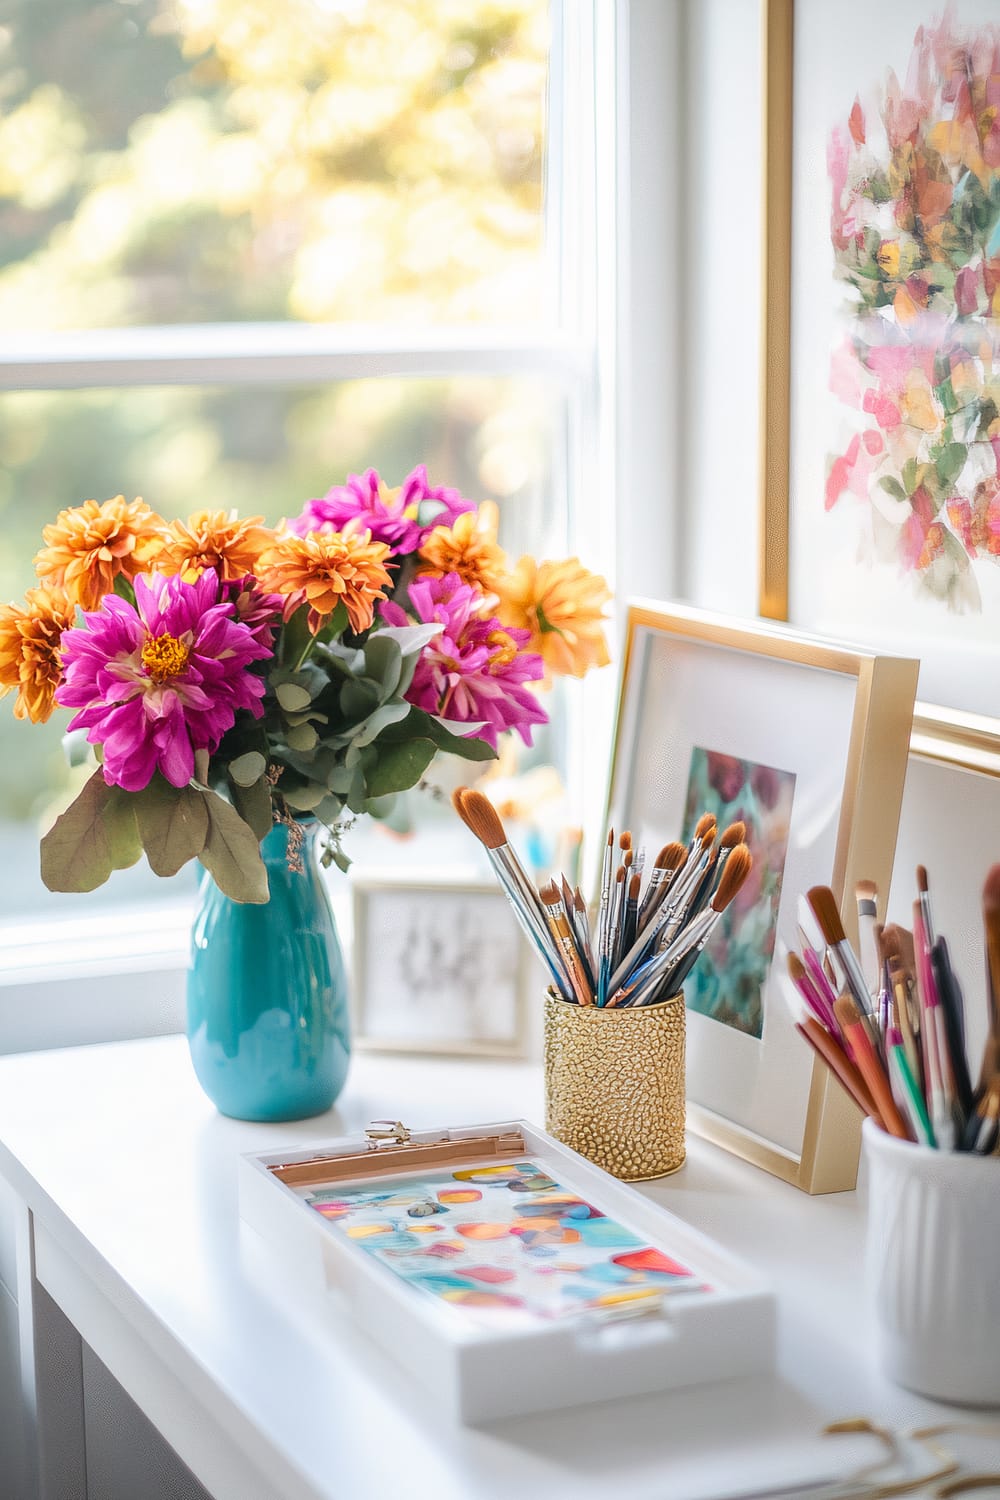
838 720
437 966
949 736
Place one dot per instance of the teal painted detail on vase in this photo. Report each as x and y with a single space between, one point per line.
268 1023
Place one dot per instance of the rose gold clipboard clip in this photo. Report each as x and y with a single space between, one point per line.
389 1147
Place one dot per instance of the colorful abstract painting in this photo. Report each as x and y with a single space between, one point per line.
914 170
728 981
501 1241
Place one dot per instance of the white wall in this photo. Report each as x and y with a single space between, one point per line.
950 819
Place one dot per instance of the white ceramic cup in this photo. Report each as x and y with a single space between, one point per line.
933 1267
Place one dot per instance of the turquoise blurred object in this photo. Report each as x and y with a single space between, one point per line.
267 1016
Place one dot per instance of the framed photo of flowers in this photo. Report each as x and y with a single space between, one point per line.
806 744
438 966
881 420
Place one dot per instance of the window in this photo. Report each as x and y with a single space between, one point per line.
248 248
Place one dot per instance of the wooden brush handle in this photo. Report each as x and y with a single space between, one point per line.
824 1045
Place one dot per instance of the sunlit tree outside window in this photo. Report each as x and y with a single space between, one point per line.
206 162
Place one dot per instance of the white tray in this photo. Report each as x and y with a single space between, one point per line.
483 1372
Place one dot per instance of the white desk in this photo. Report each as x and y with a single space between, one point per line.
124 1178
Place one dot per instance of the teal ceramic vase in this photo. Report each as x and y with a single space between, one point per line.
267 1015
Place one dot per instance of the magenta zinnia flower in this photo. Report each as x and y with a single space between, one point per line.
401 518
475 670
259 611
158 681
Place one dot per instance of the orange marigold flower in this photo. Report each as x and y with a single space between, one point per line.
560 603
467 547
29 651
214 539
91 544
325 568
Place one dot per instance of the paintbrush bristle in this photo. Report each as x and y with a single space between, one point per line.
733 835
922 886
866 890
624 841
846 1011
671 856
550 894
824 905
628 858
620 875
611 838
456 800
635 881
736 871
991 890
579 902
482 817
796 968
704 823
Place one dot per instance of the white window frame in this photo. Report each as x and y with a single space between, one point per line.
606 352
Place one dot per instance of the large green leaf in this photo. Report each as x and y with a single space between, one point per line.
95 835
383 661
253 803
420 724
399 766
231 854
173 824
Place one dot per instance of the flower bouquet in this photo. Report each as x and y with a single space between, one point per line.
230 675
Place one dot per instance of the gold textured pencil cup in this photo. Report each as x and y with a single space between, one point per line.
614 1085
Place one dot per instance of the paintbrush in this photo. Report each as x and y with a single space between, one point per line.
479 815
840 1065
665 867
824 907
937 1077
975 1136
578 928
818 1002
631 911
866 1060
991 927
866 894
950 996
729 839
583 929
674 963
559 927
603 918
669 911
617 909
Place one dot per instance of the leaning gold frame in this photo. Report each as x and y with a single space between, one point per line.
949 736
866 839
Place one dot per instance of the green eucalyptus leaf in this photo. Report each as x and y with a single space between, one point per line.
389 713
330 809
292 697
304 798
340 778
253 803
95 835
426 726
302 737
247 769
358 697
381 807
173 824
232 855
400 766
383 661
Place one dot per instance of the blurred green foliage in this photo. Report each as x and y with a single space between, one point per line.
167 161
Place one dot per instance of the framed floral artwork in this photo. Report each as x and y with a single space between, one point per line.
805 743
881 422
